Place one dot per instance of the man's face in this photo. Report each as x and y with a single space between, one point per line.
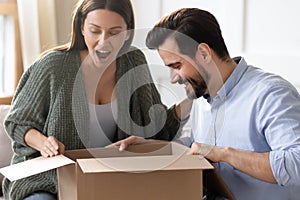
183 70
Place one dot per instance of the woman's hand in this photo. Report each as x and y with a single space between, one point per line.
52 147
123 144
183 109
48 146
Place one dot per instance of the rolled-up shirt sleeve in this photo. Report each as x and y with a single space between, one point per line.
285 166
280 120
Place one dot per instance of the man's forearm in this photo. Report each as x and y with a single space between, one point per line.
254 164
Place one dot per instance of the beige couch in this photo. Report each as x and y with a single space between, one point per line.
5 143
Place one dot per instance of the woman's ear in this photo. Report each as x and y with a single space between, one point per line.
203 53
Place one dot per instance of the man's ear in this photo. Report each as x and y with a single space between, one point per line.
203 53
128 34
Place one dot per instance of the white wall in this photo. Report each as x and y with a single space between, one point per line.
265 32
272 40
29 28
43 25
64 11
47 24
146 12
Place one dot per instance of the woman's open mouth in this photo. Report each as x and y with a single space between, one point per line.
103 55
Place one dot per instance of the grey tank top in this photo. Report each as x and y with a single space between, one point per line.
102 124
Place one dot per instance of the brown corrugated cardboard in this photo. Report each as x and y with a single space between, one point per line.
151 171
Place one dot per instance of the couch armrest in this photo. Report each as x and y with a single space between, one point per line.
5 143
6 100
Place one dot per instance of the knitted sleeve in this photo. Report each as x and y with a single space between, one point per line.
30 105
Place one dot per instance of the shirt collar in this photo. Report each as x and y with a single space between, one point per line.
233 79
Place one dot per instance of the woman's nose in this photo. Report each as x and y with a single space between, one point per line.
102 38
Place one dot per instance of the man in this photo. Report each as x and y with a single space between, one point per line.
244 120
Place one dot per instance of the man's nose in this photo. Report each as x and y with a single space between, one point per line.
174 77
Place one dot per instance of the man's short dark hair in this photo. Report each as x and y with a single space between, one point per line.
198 25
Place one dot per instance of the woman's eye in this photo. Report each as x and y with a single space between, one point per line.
94 31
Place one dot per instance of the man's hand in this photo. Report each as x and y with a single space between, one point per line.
123 144
208 151
255 164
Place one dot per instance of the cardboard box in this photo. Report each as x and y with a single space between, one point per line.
152 171
159 171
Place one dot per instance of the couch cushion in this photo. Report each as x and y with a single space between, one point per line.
5 143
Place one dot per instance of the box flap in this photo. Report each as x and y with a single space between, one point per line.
143 164
34 166
161 148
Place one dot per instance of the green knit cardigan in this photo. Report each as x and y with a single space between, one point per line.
51 98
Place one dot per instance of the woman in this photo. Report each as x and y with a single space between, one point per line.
70 87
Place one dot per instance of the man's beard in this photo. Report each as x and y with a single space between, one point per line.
199 87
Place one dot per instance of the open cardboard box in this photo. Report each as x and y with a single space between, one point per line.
148 171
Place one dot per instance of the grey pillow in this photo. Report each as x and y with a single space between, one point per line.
5 143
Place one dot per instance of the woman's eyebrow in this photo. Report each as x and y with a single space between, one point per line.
114 27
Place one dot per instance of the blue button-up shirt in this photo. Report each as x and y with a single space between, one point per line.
254 111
